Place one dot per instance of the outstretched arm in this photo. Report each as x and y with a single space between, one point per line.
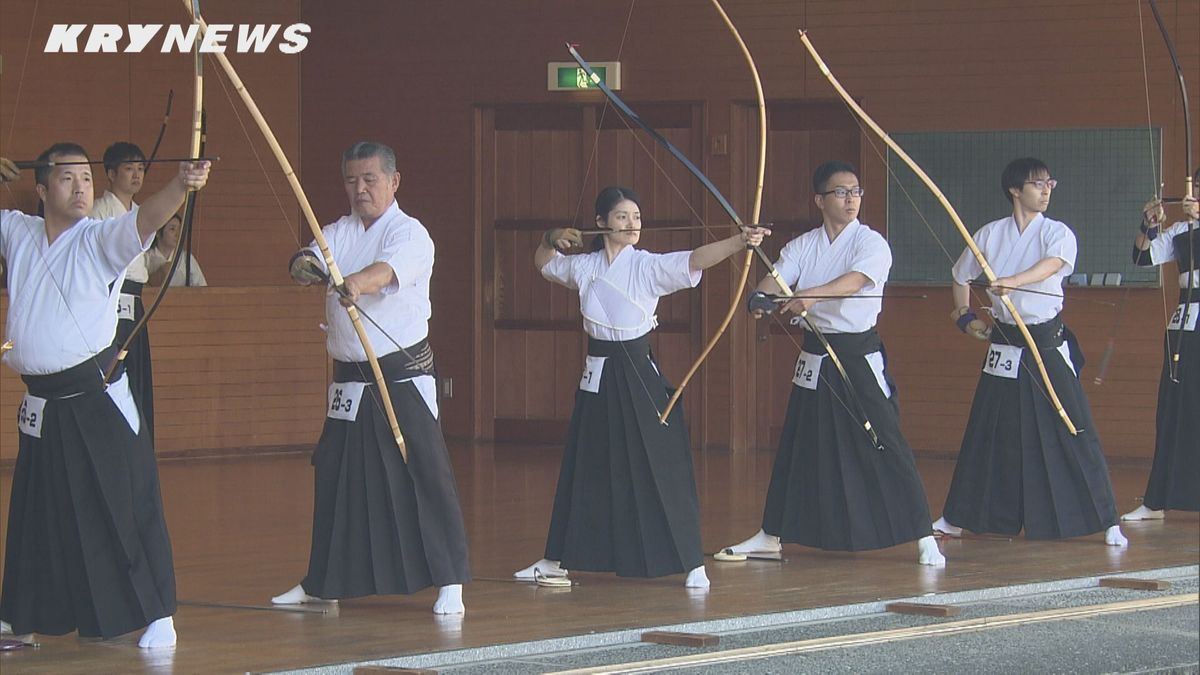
710 254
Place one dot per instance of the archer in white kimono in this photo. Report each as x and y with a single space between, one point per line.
1019 466
626 498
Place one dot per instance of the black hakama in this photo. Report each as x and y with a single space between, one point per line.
87 546
137 362
1175 476
1019 466
381 526
831 487
626 498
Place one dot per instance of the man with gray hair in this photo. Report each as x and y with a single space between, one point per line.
380 525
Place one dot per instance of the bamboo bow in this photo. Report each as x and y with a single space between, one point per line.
962 229
310 217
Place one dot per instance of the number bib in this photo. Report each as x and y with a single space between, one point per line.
593 368
1003 361
29 416
344 398
125 307
1177 318
808 370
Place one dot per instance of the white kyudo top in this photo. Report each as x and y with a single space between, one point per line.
1010 251
618 300
402 308
1162 249
63 296
109 206
812 260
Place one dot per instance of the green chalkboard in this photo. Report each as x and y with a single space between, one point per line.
1104 178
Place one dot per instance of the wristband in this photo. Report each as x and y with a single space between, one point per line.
965 320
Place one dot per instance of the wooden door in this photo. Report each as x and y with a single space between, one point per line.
538 167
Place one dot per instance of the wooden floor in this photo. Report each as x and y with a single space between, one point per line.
240 529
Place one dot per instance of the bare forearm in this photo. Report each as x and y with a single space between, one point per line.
542 255
1040 271
962 295
710 254
847 284
373 278
159 207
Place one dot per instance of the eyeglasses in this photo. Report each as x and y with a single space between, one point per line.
842 193
1043 184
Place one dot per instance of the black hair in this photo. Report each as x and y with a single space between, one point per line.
606 201
120 152
1020 170
826 171
42 173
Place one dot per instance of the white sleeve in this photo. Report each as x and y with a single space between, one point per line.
116 241
561 270
1162 247
664 273
410 252
788 264
8 219
1060 243
967 268
873 258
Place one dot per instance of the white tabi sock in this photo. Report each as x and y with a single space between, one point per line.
928 552
697 578
1143 513
942 525
544 567
296 596
1114 537
159 634
449 600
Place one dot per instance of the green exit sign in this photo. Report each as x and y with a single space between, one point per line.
568 76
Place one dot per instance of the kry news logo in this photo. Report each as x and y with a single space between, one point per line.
108 37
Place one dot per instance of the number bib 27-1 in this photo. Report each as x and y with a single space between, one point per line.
344 398
593 368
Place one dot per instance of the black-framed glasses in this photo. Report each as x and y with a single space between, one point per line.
1042 184
842 192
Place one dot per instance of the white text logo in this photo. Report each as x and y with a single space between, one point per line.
136 37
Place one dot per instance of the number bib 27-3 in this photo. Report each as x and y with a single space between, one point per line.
1003 361
344 398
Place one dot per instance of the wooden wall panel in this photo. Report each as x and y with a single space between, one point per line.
235 370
